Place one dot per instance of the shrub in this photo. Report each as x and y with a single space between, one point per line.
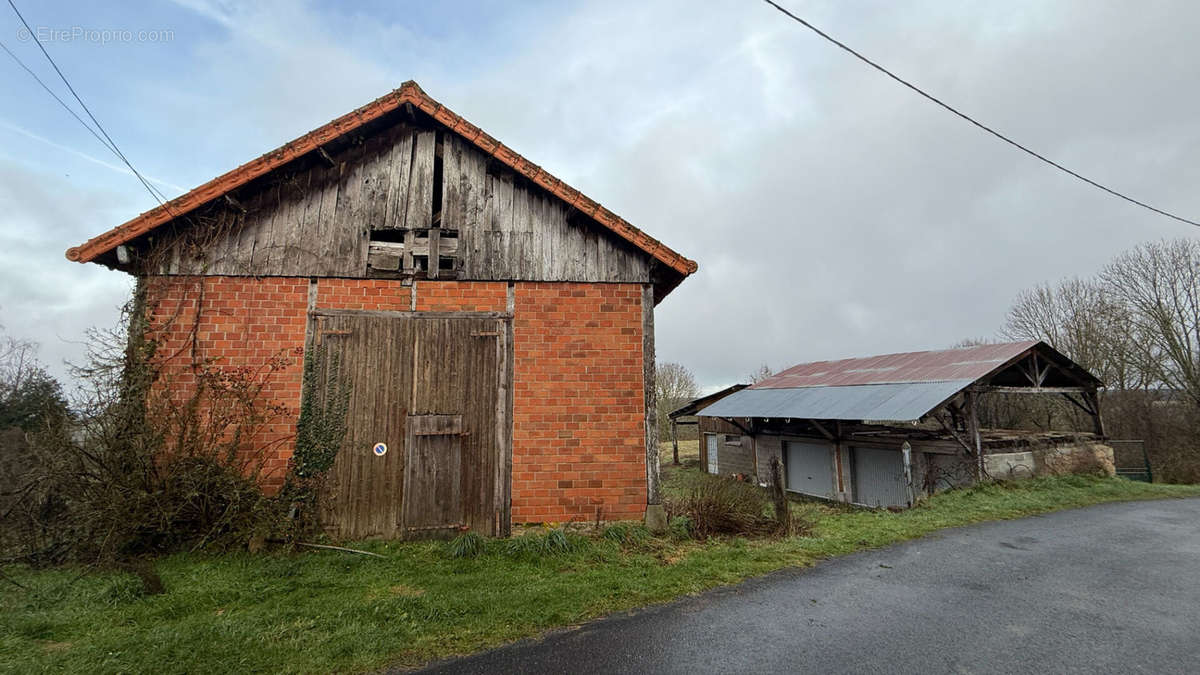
715 505
145 468
680 527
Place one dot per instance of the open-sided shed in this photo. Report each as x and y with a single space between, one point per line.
882 430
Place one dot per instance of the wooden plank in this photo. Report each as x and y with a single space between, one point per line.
418 214
330 231
349 216
385 257
301 235
454 201
396 181
433 497
434 252
401 314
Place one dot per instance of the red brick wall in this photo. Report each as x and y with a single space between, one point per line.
578 412
234 322
579 439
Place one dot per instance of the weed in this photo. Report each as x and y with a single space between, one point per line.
466 545
626 534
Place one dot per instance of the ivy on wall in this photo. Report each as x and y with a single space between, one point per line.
321 428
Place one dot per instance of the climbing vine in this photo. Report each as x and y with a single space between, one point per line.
321 428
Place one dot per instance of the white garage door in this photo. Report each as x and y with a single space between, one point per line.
710 449
879 478
809 468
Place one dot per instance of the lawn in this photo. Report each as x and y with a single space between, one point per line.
325 611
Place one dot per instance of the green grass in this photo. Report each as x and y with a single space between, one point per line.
325 611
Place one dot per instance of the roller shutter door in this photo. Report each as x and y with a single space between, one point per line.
809 468
879 478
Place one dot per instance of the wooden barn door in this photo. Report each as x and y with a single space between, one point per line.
430 391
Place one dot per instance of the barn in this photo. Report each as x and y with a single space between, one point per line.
885 430
494 327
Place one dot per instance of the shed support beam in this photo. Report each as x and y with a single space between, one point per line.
675 441
1092 398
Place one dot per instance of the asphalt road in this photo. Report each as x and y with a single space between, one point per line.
1113 588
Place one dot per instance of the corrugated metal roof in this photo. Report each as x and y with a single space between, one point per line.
898 402
970 363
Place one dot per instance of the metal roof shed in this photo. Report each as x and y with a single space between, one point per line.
853 400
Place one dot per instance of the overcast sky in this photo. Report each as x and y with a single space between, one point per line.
833 212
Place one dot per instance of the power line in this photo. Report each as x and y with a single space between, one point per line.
970 119
56 98
113 146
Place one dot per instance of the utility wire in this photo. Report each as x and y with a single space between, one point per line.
970 119
113 146
50 91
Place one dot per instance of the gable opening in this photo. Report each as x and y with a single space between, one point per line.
411 242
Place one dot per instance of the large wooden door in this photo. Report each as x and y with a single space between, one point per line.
427 423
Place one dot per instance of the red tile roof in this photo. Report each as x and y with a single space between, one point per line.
410 93
970 363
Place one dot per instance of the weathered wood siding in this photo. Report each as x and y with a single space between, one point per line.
407 190
732 458
511 229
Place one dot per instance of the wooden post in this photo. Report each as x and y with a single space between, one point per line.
675 441
652 488
906 456
783 510
973 432
656 513
1093 400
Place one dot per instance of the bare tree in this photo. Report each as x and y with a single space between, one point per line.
674 386
760 374
1085 321
1158 284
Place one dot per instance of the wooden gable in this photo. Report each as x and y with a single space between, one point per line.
402 198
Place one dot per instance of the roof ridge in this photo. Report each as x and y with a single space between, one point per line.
408 92
917 351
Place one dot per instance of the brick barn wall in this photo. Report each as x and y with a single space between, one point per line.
578 411
235 322
579 437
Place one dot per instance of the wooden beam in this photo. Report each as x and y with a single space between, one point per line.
972 405
1078 404
325 156
234 203
653 496
823 430
995 389
434 257
386 314
1093 400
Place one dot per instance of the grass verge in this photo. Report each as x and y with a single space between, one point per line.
324 611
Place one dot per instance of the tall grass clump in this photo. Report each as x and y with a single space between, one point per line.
715 505
546 544
466 545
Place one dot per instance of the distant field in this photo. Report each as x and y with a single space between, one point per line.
689 453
